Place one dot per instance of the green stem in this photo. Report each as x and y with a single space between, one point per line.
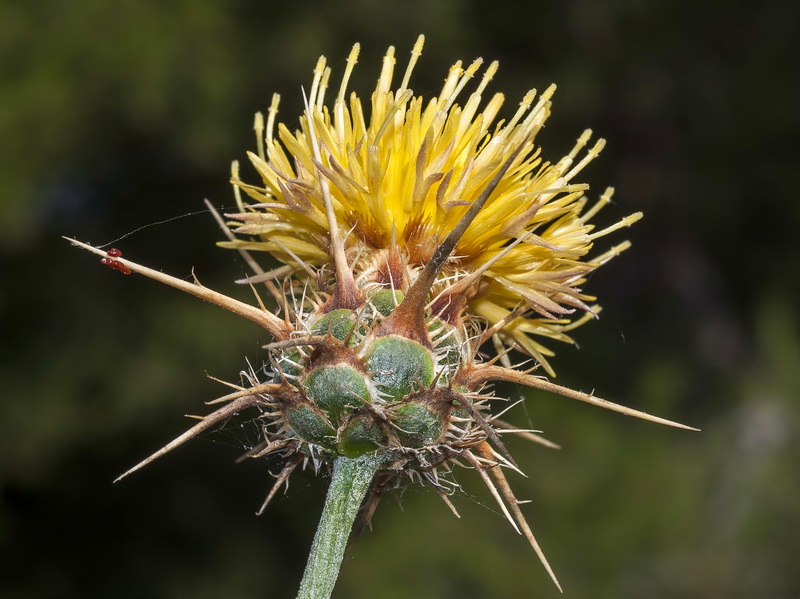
349 484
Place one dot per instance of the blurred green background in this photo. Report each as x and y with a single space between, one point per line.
116 115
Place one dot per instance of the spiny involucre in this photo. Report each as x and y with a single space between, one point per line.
411 236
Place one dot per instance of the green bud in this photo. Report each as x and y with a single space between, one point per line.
339 323
291 363
310 425
446 341
417 425
399 366
337 390
385 300
359 436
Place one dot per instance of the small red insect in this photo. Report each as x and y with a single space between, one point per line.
115 264
114 253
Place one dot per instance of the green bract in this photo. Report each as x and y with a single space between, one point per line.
338 324
337 390
417 425
385 300
362 434
399 366
310 425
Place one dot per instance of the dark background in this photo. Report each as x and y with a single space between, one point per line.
117 115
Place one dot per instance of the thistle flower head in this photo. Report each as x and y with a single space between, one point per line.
411 235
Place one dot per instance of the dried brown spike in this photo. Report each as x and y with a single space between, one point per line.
511 500
237 405
475 376
282 477
273 324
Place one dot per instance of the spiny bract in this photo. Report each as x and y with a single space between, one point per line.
409 241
